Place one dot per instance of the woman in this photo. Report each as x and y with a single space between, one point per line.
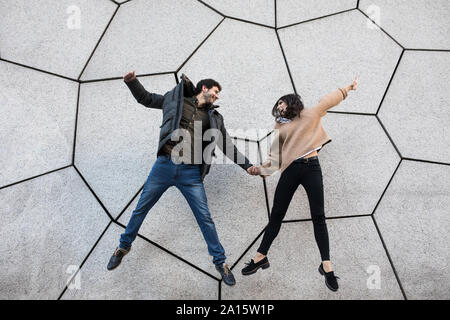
298 138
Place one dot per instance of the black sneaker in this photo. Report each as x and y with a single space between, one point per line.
117 258
252 267
226 274
330 279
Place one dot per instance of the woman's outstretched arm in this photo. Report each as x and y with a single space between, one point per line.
334 98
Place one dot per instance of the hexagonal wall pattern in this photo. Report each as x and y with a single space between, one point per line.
117 138
262 11
52 222
136 44
75 153
248 63
57 36
237 205
355 248
416 117
147 272
324 56
413 218
37 123
292 11
352 184
414 23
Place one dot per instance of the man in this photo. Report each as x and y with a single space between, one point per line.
185 108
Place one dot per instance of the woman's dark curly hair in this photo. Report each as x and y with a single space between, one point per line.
294 106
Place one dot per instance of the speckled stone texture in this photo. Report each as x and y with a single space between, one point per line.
76 147
37 122
56 36
261 11
248 63
353 184
117 138
413 218
151 37
416 24
292 11
416 116
48 225
323 57
237 205
356 250
146 272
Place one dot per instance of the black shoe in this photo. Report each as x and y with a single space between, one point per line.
227 276
117 258
252 267
330 279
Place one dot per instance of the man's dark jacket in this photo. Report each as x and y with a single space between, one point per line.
171 104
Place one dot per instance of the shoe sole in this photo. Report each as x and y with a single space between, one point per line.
263 266
109 269
326 283
229 284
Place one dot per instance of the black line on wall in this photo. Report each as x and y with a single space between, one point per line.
392 38
129 203
428 50
36 69
250 22
390 81
171 253
387 187
389 136
95 195
98 42
85 259
210 7
121 77
427 161
285 61
76 126
198 47
34 177
314 19
276 22
389 258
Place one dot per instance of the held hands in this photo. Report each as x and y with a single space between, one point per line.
254 171
130 76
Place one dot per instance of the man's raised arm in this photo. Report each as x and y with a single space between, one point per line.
142 96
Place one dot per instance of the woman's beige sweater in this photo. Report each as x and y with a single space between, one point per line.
301 135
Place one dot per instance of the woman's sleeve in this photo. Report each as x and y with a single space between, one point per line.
330 100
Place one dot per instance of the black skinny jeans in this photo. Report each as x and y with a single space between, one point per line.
309 175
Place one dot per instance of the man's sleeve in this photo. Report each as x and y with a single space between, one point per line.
142 96
230 150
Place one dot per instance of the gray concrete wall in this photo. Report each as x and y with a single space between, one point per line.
76 147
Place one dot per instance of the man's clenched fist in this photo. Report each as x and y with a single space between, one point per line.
130 76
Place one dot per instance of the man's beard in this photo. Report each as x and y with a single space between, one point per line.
208 100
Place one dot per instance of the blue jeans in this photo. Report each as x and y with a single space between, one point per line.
186 177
